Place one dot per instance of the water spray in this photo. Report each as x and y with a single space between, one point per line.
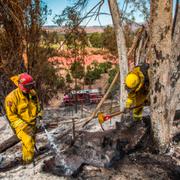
50 138
67 170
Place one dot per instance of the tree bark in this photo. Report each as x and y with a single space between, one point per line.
175 66
24 54
132 50
160 57
122 51
141 52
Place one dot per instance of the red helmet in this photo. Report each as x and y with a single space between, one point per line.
26 82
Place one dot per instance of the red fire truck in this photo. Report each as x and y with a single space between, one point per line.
86 96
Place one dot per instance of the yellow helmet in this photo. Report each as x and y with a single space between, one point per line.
132 80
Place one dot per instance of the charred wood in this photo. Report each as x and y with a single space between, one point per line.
162 161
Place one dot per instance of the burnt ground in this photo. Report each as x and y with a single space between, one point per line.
126 155
135 166
114 154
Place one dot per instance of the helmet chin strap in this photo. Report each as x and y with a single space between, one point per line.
24 90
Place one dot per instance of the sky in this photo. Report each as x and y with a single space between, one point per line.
57 6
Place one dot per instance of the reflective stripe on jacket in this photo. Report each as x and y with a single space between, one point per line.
21 110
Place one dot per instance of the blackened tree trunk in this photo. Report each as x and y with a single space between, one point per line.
160 59
122 50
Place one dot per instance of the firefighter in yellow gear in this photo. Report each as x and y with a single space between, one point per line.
137 85
22 108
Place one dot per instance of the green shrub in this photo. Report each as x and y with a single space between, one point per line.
109 40
68 78
77 70
116 86
96 40
95 70
105 67
112 74
92 75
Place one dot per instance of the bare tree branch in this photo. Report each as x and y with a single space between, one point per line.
99 9
82 19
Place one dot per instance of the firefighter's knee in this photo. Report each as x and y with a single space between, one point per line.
137 114
137 117
26 138
28 143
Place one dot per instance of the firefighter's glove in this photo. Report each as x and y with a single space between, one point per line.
101 118
39 117
30 130
38 122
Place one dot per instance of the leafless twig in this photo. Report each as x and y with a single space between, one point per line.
82 19
99 8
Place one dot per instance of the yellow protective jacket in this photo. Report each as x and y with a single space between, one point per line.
140 95
22 109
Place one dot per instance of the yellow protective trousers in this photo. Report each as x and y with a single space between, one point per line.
28 142
137 114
